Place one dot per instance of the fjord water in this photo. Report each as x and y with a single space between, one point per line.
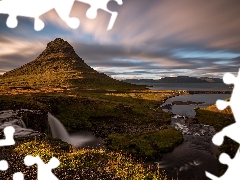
199 100
188 86
204 99
195 155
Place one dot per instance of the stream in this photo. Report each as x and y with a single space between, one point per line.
195 155
188 161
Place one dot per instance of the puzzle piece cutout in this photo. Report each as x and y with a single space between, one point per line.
8 133
101 4
3 165
231 131
18 176
233 167
44 170
36 8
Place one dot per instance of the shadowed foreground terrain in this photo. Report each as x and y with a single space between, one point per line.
127 117
60 82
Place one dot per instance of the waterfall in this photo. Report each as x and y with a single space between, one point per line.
23 124
59 131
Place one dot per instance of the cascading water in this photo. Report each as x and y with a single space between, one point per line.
11 118
195 155
76 140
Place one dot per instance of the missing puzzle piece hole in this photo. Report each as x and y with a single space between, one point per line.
229 78
73 23
91 13
38 25
224 159
221 105
3 165
218 139
18 176
12 21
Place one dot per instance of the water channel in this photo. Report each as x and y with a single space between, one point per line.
189 160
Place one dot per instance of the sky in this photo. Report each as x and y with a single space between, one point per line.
150 39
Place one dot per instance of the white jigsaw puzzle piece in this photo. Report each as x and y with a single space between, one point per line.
233 167
8 132
3 165
101 4
44 170
231 131
18 176
36 8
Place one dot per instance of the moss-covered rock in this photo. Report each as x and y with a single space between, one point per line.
148 145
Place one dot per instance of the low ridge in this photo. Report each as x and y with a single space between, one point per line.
59 66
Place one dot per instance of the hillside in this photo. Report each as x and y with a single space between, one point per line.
59 66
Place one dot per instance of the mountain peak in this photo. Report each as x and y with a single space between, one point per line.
57 66
58 46
58 42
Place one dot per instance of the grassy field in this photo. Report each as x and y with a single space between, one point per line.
114 116
109 164
131 124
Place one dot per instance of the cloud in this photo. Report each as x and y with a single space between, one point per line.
148 38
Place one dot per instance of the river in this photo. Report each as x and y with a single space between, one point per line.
189 160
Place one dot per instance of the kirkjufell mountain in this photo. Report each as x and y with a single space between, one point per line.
59 66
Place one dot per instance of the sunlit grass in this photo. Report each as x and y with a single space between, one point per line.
219 119
103 161
152 96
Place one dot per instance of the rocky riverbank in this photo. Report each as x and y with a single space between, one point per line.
195 155
14 118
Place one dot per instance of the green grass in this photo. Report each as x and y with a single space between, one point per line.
147 145
102 161
87 110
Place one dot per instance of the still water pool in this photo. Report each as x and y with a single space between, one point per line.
197 100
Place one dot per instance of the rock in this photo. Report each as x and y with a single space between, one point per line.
14 119
193 120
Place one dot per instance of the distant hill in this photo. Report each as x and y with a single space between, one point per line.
59 66
178 79
182 79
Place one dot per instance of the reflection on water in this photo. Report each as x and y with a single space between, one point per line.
188 110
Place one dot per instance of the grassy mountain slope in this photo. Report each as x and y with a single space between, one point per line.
59 66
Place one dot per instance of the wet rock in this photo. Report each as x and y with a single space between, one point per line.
191 126
14 119
36 120
193 120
